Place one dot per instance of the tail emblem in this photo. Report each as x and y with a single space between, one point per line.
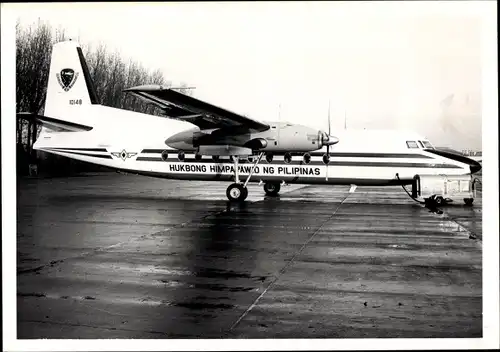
67 78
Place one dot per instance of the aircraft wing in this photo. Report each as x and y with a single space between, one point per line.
195 111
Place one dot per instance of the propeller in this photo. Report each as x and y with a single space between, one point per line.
325 138
329 130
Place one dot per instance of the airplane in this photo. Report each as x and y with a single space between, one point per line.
196 140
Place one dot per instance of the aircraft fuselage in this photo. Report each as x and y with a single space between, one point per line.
135 143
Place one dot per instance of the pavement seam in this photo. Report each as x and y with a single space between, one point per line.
97 250
287 265
94 327
463 228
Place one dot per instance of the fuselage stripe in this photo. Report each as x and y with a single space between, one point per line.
374 155
81 149
340 155
141 158
84 154
157 151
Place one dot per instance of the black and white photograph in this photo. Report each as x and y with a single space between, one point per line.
250 175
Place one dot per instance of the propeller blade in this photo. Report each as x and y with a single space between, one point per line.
329 130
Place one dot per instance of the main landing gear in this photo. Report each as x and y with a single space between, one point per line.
237 192
272 188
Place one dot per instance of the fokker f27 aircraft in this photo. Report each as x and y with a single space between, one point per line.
200 141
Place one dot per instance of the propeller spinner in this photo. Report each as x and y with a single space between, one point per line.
326 138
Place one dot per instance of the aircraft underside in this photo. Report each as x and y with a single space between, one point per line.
360 171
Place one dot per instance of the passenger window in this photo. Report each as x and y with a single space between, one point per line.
307 158
288 158
269 157
164 155
411 144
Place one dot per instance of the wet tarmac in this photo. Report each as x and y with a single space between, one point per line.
122 256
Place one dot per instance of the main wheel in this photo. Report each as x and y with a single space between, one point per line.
439 200
272 188
236 192
468 201
245 191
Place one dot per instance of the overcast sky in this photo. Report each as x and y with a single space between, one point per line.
384 65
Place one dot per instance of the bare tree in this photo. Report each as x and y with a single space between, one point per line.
96 60
33 48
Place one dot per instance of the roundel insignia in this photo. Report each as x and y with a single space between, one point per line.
67 78
124 155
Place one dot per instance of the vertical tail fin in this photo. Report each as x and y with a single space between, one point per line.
70 86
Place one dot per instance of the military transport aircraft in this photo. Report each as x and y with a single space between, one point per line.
200 141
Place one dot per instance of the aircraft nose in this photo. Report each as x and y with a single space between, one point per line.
475 167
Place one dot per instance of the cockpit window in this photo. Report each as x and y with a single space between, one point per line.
411 144
428 145
420 142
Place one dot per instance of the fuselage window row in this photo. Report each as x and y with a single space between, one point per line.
306 158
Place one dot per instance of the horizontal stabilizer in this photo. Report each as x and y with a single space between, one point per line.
54 124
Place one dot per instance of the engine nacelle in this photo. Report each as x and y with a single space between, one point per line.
280 137
184 140
224 150
293 138
256 144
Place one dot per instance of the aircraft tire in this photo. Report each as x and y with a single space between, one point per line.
236 192
468 201
439 200
272 188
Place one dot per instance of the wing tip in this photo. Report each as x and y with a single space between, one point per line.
146 88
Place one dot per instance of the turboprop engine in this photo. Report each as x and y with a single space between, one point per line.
280 137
